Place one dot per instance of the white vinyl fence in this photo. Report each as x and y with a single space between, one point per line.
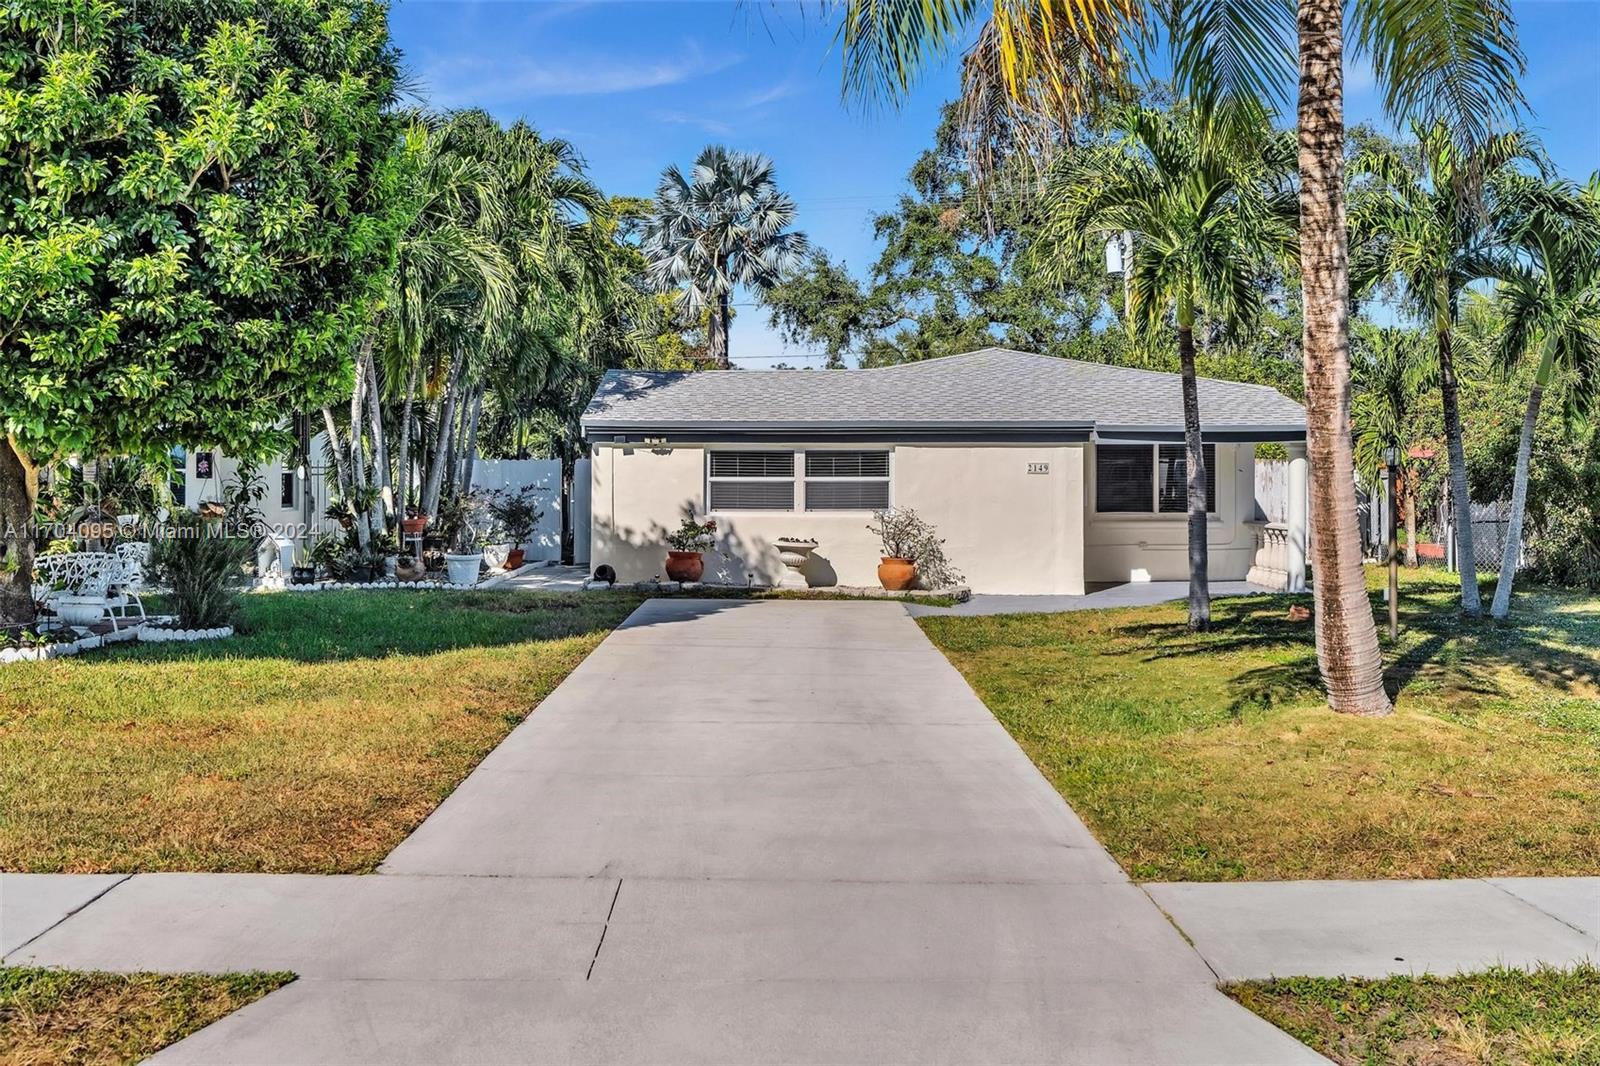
544 476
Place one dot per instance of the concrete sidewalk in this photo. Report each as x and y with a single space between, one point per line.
1377 928
775 831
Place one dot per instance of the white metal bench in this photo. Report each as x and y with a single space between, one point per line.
82 588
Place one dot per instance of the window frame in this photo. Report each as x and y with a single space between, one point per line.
798 479
802 458
793 479
1213 513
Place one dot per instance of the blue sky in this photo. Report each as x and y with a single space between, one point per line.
638 84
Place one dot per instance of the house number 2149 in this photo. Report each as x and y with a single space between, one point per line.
1038 468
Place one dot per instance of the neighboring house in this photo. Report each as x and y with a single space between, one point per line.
1043 475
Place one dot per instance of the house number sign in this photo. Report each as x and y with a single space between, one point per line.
1038 468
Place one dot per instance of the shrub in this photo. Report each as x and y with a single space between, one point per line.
203 561
905 534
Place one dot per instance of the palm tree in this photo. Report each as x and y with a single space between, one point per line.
725 225
1421 223
1392 368
1454 61
1551 304
1199 202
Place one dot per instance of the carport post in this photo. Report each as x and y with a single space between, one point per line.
1298 525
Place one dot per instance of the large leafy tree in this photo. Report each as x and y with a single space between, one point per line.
1417 219
1550 301
195 217
724 225
1207 210
1454 61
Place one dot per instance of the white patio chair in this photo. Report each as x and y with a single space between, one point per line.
134 555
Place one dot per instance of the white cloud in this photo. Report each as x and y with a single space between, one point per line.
773 93
700 122
477 81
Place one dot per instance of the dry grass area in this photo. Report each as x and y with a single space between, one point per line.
1212 757
1548 1018
315 742
50 1017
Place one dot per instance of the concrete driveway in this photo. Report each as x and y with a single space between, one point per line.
777 831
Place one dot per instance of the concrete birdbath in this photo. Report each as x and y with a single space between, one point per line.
795 552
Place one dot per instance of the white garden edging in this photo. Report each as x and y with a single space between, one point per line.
154 635
277 584
64 648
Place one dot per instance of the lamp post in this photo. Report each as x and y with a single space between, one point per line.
1390 460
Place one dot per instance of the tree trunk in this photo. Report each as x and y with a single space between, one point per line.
1409 495
435 479
380 449
19 491
1460 500
469 442
341 471
358 461
403 445
1348 655
719 334
1195 464
1519 503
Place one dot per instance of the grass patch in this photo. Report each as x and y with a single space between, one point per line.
1502 1016
62 1016
1211 757
315 742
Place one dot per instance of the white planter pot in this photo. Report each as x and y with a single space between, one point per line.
78 610
495 555
463 569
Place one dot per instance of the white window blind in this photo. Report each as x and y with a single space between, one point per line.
750 481
847 481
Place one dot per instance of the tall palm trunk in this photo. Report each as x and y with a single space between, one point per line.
358 461
1409 496
469 443
719 334
1195 464
19 491
380 449
1347 638
1460 500
435 479
341 466
403 444
1519 495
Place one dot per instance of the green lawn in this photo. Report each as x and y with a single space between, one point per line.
316 741
57 1016
1212 757
1503 1016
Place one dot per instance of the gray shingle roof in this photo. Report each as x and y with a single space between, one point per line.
993 387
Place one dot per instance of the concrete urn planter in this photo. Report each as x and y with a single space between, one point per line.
463 569
78 610
496 555
896 574
795 552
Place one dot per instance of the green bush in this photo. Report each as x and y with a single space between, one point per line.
204 562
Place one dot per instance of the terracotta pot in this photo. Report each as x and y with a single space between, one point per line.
685 566
413 526
897 575
514 558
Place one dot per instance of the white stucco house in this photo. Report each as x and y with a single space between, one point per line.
1043 475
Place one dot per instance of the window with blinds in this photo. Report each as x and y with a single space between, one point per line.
1148 478
1172 473
750 481
847 481
1123 476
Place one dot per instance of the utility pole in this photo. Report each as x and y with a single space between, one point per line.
1394 544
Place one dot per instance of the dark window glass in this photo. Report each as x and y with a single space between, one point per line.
752 464
847 464
847 495
1172 470
1122 477
752 495
286 489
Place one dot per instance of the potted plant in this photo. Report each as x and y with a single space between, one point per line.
415 521
323 554
387 546
468 526
911 550
519 515
687 545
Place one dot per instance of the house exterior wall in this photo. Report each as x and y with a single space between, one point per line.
1007 530
1116 545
